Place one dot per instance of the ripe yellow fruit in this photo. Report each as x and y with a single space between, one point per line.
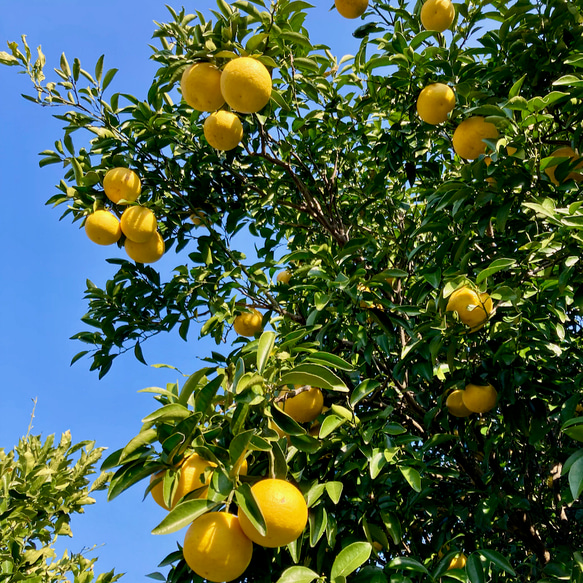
248 323
473 309
246 85
479 398
148 252
351 8
216 548
305 406
455 404
223 130
195 472
458 562
437 15
434 103
469 135
284 509
122 184
102 227
138 223
284 276
201 87
565 152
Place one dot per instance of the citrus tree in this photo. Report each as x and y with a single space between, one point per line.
403 346
42 485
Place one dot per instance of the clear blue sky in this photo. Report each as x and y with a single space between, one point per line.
46 262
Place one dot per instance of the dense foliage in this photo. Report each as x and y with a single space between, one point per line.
340 182
42 485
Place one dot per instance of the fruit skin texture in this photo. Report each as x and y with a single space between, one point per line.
565 152
283 276
191 472
458 562
305 406
122 184
437 15
455 404
223 130
138 223
248 323
462 299
284 509
246 85
434 103
480 398
216 548
201 87
468 136
147 252
351 8
102 228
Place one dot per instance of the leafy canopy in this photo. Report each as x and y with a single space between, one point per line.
378 221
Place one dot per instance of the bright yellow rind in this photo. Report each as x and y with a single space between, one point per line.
102 227
246 85
284 509
351 8
435 102
201 87
223 130
216 548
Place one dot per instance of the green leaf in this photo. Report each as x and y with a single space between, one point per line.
191 383
334 490
326 358
264 348
364 389
184 514
494 267
143 438
412 476
248 504
314 375
475 569
297 574
349 559
408 564
499 560
576 478
515 89
574 428
168 413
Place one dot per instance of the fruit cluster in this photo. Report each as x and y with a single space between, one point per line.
143 242
219 545
244 84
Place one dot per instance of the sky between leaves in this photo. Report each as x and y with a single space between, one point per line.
46 264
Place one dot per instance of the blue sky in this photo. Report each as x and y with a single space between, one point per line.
46 263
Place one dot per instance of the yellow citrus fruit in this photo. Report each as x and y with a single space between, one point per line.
248 323
455 404
138 223
437 15
194 473
473 309
102 227
148 252
458 562
201 87
284 276
284 509
122 184
565 152
216 548
479 398
434 103
223 130
469 135
304 406
246 84
351 8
